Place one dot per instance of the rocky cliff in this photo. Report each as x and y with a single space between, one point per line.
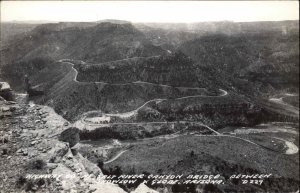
36 157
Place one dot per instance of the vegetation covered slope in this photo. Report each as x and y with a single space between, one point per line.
174 70
266 60
91 42
99 43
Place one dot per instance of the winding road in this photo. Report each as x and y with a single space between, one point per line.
67 61
134 112
291 147
286 106
115 157
158 100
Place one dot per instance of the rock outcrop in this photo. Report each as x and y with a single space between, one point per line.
6 92
30 146
70 135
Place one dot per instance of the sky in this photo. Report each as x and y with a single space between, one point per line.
150 11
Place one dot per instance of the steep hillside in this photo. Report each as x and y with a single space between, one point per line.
10 30
71 98
28 53
173 70
121 86
263 60
95 43
15 73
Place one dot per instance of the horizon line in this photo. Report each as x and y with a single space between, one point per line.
104 20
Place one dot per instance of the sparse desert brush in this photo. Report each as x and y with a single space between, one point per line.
36 164
21 180
29 184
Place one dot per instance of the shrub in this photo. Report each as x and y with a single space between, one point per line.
36 164
29 186
21 180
